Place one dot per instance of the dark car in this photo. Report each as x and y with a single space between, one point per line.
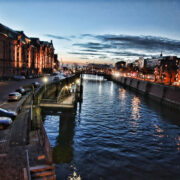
36 84
56 79
5 122
6 113
21 91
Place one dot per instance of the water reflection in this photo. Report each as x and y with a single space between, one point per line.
74 175
135 108
111 89
122 96
100 87
159 131
177 139
63 145
63 151
93 77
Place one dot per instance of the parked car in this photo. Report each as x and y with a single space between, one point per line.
14 96
61 76
5 121
18 77
56 79
6 113
30 77
56 73
36 84
21 91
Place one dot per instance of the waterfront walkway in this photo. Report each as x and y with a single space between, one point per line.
13 145
16 140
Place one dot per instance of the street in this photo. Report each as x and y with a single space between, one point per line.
7 87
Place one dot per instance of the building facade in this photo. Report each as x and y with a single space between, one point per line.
22 55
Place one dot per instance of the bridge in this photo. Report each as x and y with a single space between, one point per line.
61 94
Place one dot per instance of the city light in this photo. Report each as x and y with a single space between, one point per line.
116 74
70 86
45 80
77 81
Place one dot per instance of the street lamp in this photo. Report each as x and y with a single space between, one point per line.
45 80
77 81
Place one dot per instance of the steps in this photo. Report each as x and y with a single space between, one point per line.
43 172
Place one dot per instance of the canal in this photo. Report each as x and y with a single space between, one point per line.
114 134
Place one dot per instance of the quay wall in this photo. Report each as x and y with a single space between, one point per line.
169 95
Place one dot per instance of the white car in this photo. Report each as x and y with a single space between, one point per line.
14 96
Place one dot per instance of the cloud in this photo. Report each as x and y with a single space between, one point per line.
148 43
84 53
57 37
128 53
93 46
103 57
87 35
73 37
88 50
118 47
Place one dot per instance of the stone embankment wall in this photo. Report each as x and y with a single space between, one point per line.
169 95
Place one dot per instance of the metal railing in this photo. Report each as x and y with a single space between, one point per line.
28 166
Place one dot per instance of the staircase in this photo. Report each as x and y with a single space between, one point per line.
43 172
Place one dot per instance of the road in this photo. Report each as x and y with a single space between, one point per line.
7 87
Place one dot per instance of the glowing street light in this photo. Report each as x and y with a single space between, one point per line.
45 80
77 81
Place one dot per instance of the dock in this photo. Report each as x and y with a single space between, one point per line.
67 102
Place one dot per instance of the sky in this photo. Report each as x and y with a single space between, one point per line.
98 31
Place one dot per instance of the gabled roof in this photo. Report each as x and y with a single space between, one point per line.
35 41
8 32
20 35
46 43
23 38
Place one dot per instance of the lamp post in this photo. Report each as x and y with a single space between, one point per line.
45 80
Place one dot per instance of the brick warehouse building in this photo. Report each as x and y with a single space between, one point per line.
21 55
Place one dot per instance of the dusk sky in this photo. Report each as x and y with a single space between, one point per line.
103 31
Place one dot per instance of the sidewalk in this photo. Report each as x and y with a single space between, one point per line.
12 149
15 140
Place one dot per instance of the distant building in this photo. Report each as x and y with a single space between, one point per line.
151 63
120 64
161 61
22 55
98 66
171 62
135 64
56 62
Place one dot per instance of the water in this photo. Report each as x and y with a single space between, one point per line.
114 134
